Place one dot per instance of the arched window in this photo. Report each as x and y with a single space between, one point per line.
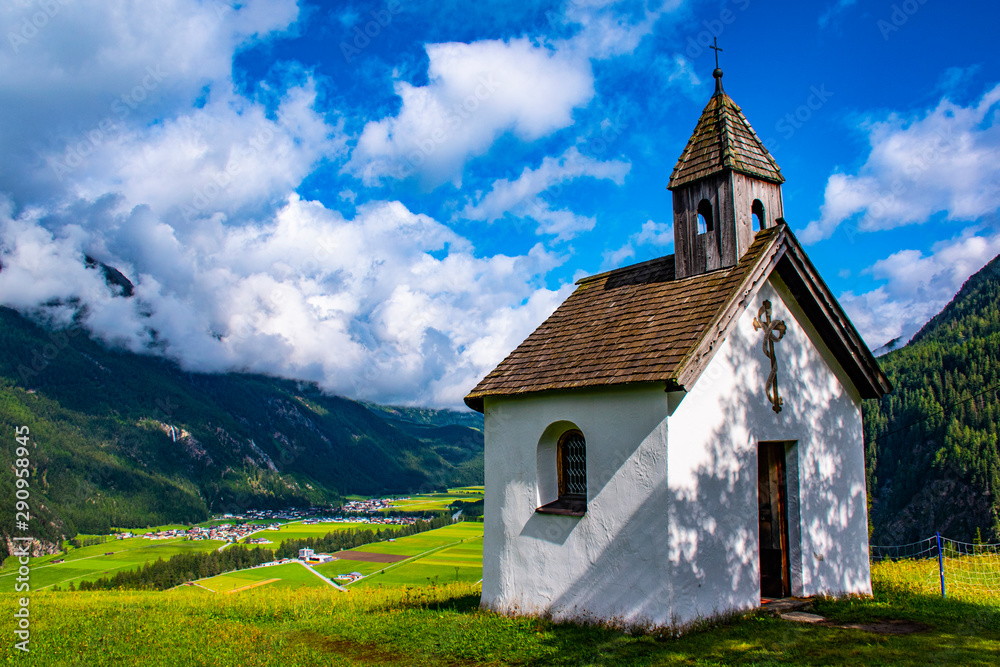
757 210
705 222
572 450
562 470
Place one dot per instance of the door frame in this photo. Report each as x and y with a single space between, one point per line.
780 450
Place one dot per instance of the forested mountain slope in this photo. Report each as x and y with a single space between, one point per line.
931 446
131 440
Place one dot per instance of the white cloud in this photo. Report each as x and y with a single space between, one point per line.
611 28
368 307
917 286
521 197
475 93
837 8
655 234
222 157
127 140
92 70
946 160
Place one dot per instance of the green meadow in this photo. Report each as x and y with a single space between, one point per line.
91 563
966 577
432 557
443 625
288 575
435 502
460 563
299 531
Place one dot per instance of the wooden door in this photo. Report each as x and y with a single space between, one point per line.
773 516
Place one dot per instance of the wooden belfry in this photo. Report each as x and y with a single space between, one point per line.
723 179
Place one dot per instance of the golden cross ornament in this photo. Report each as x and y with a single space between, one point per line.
774 330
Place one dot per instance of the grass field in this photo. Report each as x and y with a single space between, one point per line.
459 563
435 555
966 577
442 625
299 531
289 575
91 563
431 502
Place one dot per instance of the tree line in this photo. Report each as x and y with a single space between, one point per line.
354 538
931 444
164 574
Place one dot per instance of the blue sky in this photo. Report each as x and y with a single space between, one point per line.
387 197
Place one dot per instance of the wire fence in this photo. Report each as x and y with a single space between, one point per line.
940 563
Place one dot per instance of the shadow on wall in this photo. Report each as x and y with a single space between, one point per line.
705 528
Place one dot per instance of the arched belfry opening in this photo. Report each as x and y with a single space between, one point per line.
726 186
705 221
759 219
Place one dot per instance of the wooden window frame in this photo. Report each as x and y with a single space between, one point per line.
567 504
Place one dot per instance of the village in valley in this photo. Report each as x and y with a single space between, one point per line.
451 552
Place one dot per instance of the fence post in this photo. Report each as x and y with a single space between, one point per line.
940 563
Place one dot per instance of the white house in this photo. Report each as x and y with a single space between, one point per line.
683 437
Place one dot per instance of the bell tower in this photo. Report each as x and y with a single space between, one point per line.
726 187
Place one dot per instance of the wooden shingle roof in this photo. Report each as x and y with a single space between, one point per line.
723 139
641 324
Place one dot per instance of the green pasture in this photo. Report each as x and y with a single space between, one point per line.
435 553
443 625
300 531
290 575
431 539
460 563
433 502
90 563
478 490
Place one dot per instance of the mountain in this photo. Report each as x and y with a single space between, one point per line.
123 439
931 449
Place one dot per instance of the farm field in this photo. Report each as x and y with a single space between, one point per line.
459 545
460 563
432 539
430 502
299 531
91 563
289 575
443 625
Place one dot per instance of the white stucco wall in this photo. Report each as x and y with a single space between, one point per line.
712 462
670 533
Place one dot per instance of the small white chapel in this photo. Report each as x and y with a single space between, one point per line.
682 438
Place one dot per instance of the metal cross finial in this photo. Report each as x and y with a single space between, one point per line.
715 46
773 332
